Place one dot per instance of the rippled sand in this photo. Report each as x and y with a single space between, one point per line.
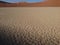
30 25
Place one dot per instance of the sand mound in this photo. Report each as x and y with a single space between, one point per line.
37 4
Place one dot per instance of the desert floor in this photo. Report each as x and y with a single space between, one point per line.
35 21
45 15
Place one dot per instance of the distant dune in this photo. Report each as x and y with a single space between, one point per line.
26 4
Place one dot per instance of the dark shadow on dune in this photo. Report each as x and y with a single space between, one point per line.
6 38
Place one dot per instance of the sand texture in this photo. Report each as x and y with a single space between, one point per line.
30 26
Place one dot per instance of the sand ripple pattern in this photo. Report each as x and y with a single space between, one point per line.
29 35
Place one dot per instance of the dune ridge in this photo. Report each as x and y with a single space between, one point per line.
36 4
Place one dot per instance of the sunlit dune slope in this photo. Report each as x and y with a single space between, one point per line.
30 26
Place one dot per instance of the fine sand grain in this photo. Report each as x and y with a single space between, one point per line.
30 26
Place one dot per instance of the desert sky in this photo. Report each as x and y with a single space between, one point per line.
14 1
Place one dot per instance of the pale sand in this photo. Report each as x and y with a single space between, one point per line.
35 22
45 15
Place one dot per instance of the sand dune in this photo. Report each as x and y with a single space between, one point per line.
30 26
37 4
